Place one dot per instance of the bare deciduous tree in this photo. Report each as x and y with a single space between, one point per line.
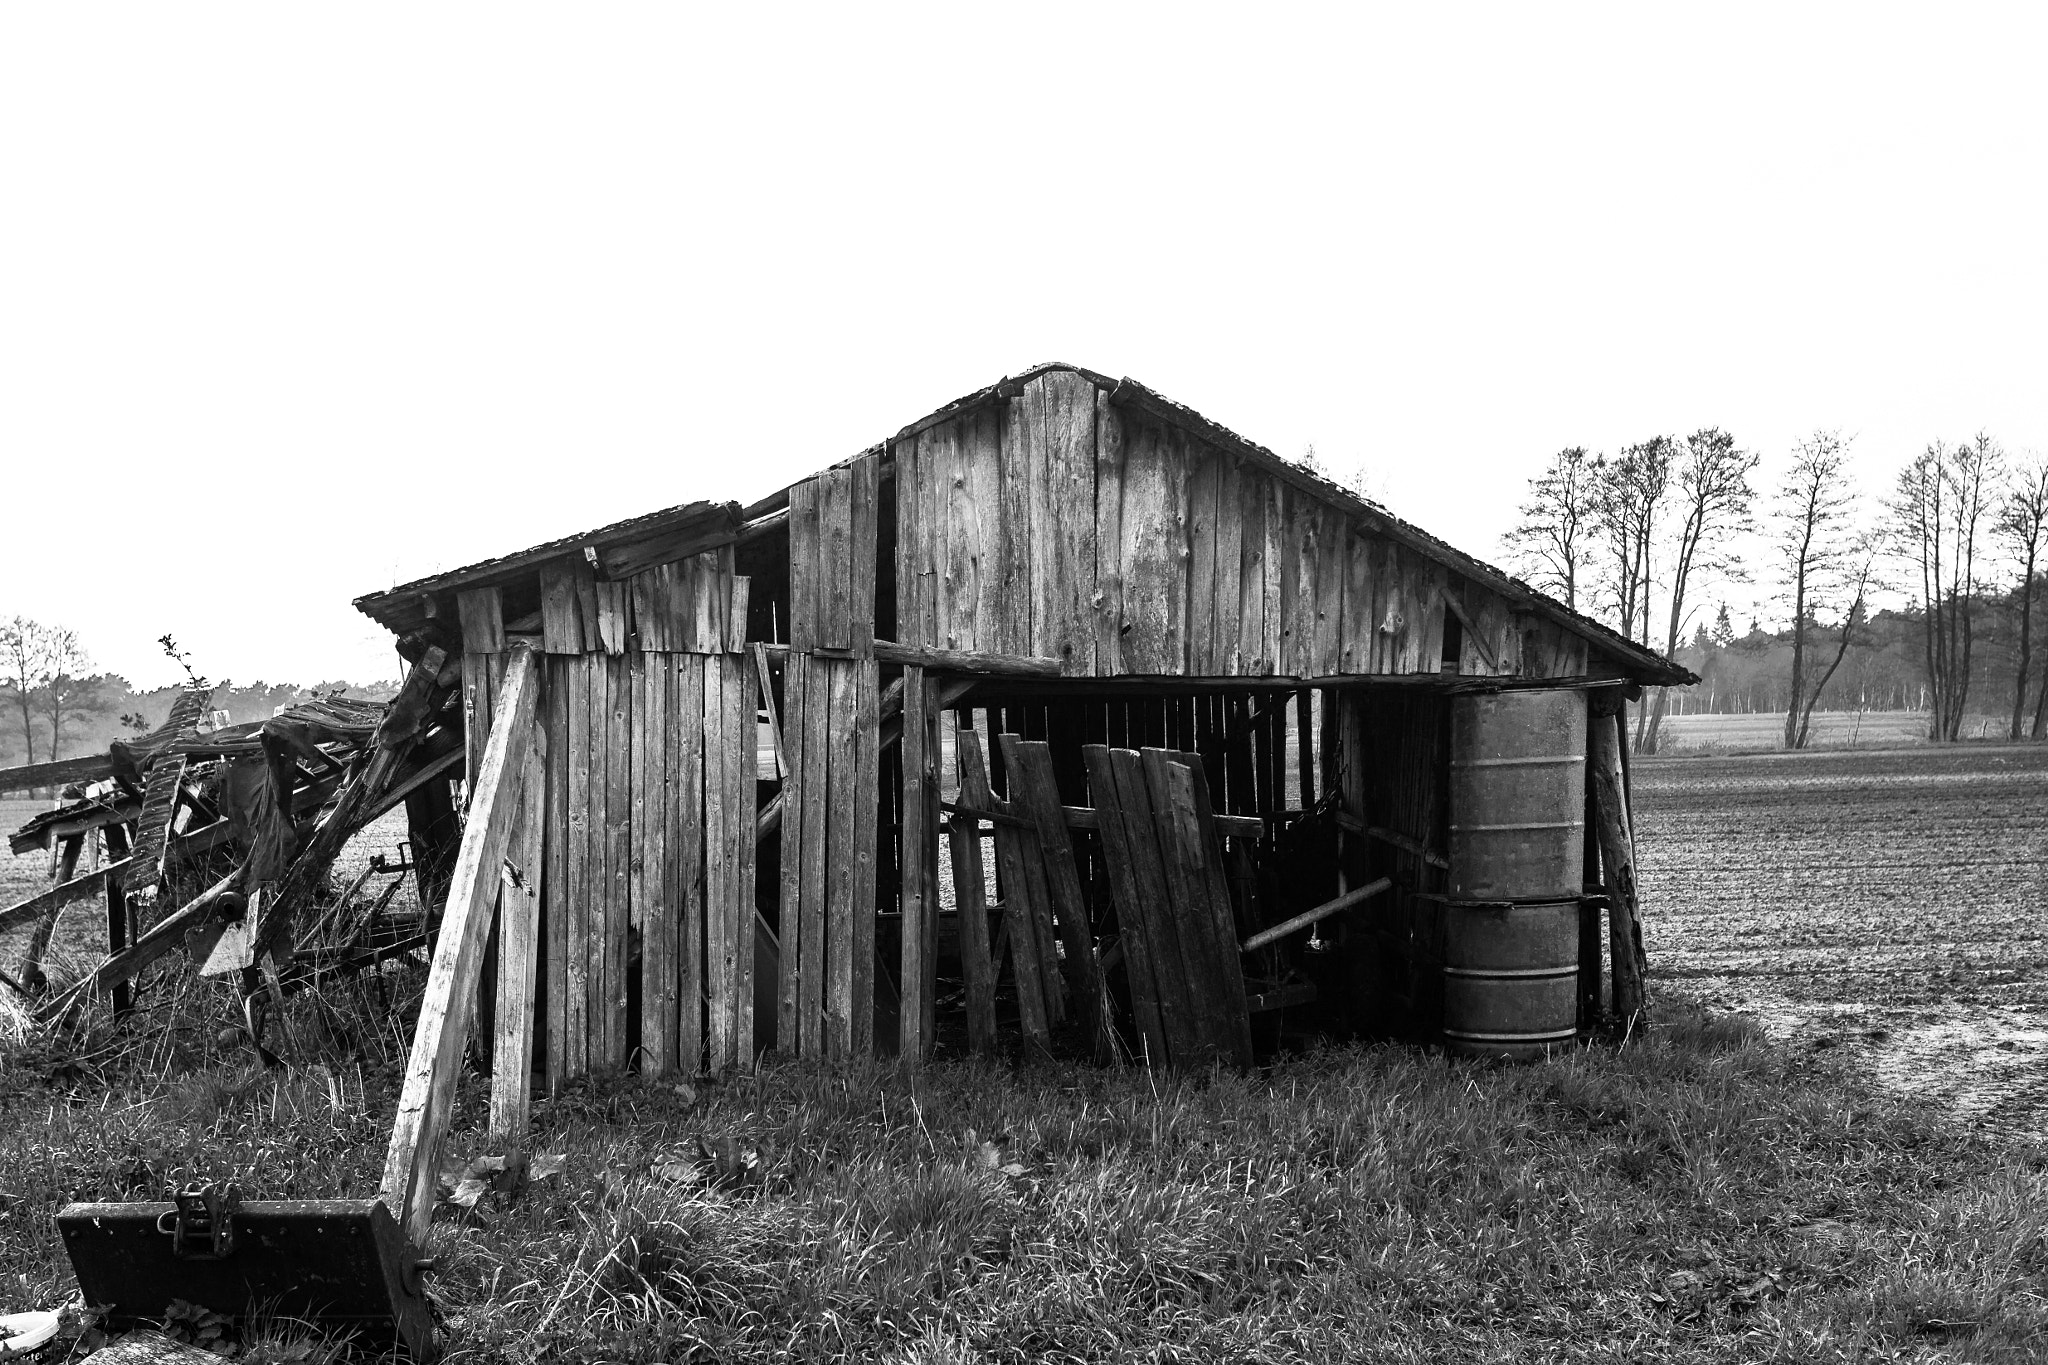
25 668
1937 508
1551 542
1714 497
71 692
1628 507
2023 526
1814 513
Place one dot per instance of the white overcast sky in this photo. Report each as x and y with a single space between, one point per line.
297 302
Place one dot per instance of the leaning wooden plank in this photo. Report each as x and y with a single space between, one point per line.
918 979
412 1163
1209 946
970 895
63 894
867 754
1145 906
518 941
1034 794
796 671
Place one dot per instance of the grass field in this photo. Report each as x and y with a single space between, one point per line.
1765 730
1714 1191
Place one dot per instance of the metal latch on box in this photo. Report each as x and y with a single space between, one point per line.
201 1221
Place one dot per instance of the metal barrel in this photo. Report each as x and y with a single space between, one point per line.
1510 977
1518 794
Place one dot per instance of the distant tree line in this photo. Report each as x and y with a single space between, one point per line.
1642 538
56 704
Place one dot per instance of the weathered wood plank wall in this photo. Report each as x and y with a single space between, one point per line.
648 821
831 736
1054 523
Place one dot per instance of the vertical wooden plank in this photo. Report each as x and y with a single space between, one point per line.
910 533
840 863
742 810
867 755
1155 553
555 908
956 539
1109 537
970 892
686 731
519 896
1423 650
482 614
917 975
578 881
618 853
1229 1006
864 483
561 623
612 618
1040 544
651 832
1120 864
814 792
1304 563
1273 565
796 672
1224 657
835 559
1202 477
718 880
1013 624
1069 633
1305 749
1356 653
643 599
1152 913
803 563
1327 648
1250 656
1035 795
981 464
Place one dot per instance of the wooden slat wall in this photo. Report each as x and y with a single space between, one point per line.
831 736
1056 525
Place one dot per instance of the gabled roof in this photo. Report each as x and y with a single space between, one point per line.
630 546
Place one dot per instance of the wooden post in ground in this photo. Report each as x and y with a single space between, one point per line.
920 898
413 1158
1617 857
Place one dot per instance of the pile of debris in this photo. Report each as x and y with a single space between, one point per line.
223 841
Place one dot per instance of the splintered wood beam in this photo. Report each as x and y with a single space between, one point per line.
33 775
410 1164
1320 912
168 933
974 662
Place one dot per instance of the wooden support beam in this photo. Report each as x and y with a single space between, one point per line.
1605 738
919 890
1320 912
412 1160
56 774
970 894
970 662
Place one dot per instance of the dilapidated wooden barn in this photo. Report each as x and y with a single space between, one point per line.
1203 742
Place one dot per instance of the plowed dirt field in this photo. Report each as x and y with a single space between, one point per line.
1890 904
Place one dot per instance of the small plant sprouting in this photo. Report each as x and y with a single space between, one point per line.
181 659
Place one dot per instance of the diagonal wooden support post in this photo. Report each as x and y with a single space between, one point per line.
437 1045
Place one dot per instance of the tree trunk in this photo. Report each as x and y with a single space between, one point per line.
2019 687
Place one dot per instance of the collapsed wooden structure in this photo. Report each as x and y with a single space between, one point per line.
1178 715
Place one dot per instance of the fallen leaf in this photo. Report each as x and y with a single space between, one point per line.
548 1166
